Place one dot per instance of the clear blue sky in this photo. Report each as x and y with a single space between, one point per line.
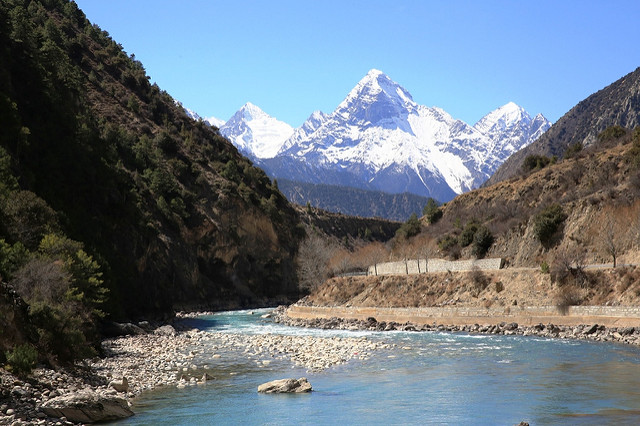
291 57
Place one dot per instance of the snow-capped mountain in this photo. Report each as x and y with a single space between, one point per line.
212 121
379 138
255 132
215 122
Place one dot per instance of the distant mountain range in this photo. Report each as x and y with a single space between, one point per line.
379 139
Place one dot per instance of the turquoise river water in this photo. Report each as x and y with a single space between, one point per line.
428 378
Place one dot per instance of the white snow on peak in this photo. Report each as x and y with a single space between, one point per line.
214 121
379 138
255 132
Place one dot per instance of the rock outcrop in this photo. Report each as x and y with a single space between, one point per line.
286 386
87 406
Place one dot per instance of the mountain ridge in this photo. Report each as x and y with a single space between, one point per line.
616 104
378 138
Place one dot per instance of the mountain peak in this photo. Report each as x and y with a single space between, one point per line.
250 111
255 132
374 99
374 73
503 117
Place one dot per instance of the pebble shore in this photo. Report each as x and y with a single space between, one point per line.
595 332
170 356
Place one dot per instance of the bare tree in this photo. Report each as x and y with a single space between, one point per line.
569 262
610 241
313 258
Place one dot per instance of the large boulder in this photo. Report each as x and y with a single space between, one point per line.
286 386
115 329
165 330
87 406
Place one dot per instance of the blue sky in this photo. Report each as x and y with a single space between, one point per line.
291 57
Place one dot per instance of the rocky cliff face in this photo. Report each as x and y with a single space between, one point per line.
616 104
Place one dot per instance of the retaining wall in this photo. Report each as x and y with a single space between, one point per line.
420 266
610 316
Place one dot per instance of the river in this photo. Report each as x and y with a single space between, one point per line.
425 378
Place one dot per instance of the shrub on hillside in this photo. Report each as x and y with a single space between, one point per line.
482 241
410 228
573 150
466 237
547 222
478 279
633 155
612 133
567 296
22 359
432 211
568 267
536 162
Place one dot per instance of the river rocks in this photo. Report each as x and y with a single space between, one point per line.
591 329
628 335
165 330
115 329
87 406
119 385
311 352
301 385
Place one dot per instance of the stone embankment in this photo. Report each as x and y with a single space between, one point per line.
169 356
596 332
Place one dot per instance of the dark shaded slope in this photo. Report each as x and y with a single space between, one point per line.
174 215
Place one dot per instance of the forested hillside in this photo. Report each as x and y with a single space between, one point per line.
113 203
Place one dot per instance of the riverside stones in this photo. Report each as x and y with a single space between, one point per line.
87 406
301 385
120 385
165 330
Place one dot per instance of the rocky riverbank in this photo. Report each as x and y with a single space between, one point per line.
171 355
595 332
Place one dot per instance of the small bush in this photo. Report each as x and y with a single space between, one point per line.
22 359
478 279
432 211
568 267
547 222
482 241
573 150
544 268
536 162
499 287
466 237
410 228
567 296
612 133
447 242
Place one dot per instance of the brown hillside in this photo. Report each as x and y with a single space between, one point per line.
597 191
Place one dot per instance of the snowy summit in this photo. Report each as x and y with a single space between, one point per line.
255 132
379 138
